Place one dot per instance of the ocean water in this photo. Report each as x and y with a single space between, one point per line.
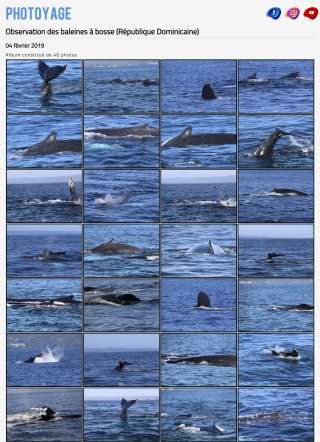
107 316
44 318
120 152
192 375
44 202
198 203
25 130
26 405
270 93
205 406
182 82
213 157
60 365
296 262
296 414
177 261
99 368
103 423
258 367
103 96
258 202
263 303
21 246
145 237
24 93
294 151
179 300
121 196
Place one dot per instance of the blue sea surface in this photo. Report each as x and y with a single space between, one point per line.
258 202
297 259
103 423
177 261
24 131
101 95
179 301
182 82
42 202
292 152
203 375
26 405
24 93
258 367
199 156
44 318
272 93
263 304
198 203
99 368
121 196
108 316
188 414
296 414
60 365
145 237
23 252
120 152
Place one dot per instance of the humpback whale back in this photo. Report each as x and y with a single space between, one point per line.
207 248
295 74
218 360
289 192
113 247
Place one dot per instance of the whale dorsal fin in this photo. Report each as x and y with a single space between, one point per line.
49 411
187 132
145 126
46 252
203 300
112 241
210 245
50 137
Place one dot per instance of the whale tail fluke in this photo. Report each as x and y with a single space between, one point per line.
125 405
49 73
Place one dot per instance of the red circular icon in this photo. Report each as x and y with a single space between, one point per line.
311 13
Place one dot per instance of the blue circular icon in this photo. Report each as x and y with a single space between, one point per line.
274 13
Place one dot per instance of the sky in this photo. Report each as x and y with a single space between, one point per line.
43 176
119 393
198 176
121 341
33 229
276 231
